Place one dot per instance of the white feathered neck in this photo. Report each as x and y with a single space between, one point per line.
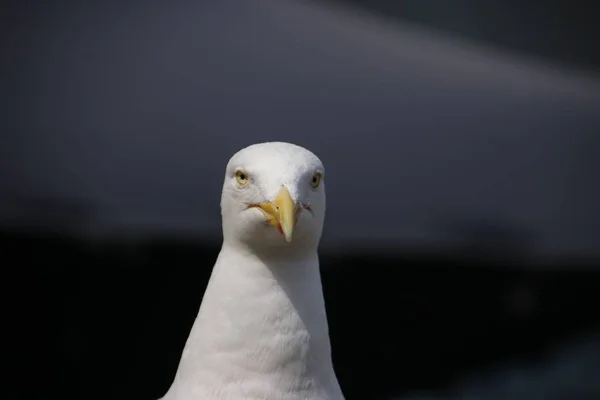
261 333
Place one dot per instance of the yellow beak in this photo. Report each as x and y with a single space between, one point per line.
282 213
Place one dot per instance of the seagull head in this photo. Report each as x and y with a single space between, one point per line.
274 197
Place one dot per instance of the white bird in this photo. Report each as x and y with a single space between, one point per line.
261 331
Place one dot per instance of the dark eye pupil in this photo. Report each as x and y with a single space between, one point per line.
243 177
314 179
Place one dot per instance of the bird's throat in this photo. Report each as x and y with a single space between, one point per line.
263 323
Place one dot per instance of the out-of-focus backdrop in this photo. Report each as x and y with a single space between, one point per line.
478 121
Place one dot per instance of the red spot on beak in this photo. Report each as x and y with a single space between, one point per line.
280 230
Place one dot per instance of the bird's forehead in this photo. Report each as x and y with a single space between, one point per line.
277 171
276 163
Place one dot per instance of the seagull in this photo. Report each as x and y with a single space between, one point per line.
261 331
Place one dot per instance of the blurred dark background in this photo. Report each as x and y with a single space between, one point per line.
478 121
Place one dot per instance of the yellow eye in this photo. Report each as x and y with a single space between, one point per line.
241 177
315 181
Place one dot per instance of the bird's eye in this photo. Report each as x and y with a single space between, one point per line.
241 177
315 181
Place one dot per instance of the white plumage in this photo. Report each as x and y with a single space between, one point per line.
261 331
